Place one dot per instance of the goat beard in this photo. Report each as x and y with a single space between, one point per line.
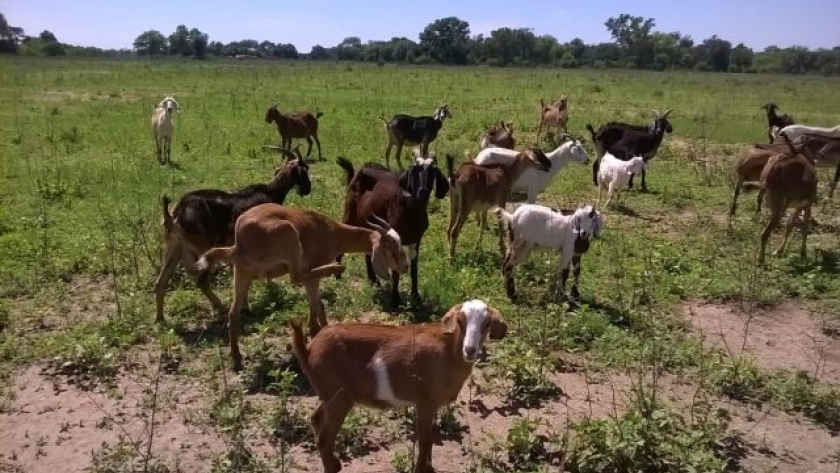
379 267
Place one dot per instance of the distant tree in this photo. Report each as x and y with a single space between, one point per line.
10 36
268 49
633 34
179 41
287 51
150 42
742 58
350 49
215 48
446 40
53 48
506 46
714 54
319 53
198 43
48 37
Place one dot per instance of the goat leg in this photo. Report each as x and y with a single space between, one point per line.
318 143
507 274
561 285
371 275
309 148
171 259
575 292
775 218
595 165
395 288
788 228
317 314
807 223
644 181
326 422
415 294
735 196
630 184
424 422
834 182
241 286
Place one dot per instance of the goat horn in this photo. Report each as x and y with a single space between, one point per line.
378 224
656 113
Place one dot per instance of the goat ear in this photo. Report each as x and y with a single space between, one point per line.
498 327
450 320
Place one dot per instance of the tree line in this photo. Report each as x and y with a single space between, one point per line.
636 45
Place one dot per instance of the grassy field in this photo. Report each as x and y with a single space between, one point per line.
79 249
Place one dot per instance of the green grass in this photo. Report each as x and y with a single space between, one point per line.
80 202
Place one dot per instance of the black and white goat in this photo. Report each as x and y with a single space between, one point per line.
625 141
537 227
407 129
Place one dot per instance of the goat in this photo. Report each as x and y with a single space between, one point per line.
499 136
626 141
205 218
400 200
477 187
775 122
533 182
385 366
537 227
296 125
555 115
271 240
788 180
819 150
795 131
413 130
614 174
163 127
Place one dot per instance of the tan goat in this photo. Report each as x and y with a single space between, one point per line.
499 136
788 180
477 187
383 366
555 115
823 151
272 240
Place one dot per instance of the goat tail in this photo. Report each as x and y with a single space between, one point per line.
211 258
347 166
167 217
299 347
591 131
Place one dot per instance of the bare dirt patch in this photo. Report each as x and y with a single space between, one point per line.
784 337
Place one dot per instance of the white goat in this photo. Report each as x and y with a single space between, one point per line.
795 131
163 127
534 182
614 174
537 227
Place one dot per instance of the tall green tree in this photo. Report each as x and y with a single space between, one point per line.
179 41
150 42
446 40
198 43
633 34
10 36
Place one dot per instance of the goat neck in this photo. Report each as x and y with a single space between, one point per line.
353 239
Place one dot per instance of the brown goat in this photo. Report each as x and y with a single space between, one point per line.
478 187
384 366
788 180
499 136
555 115
823 151
296 125
272 240
205 218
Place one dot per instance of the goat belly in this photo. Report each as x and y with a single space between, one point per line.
384 389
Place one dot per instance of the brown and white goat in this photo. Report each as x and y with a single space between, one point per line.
272 240
554 115
163 127
498 136
384 366
477 187
295 125
788 180
205 218
823 151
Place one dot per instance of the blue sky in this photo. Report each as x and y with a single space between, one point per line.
115 23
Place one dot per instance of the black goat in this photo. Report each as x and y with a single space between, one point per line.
399 199
775 121
625 141
413 130
205 219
